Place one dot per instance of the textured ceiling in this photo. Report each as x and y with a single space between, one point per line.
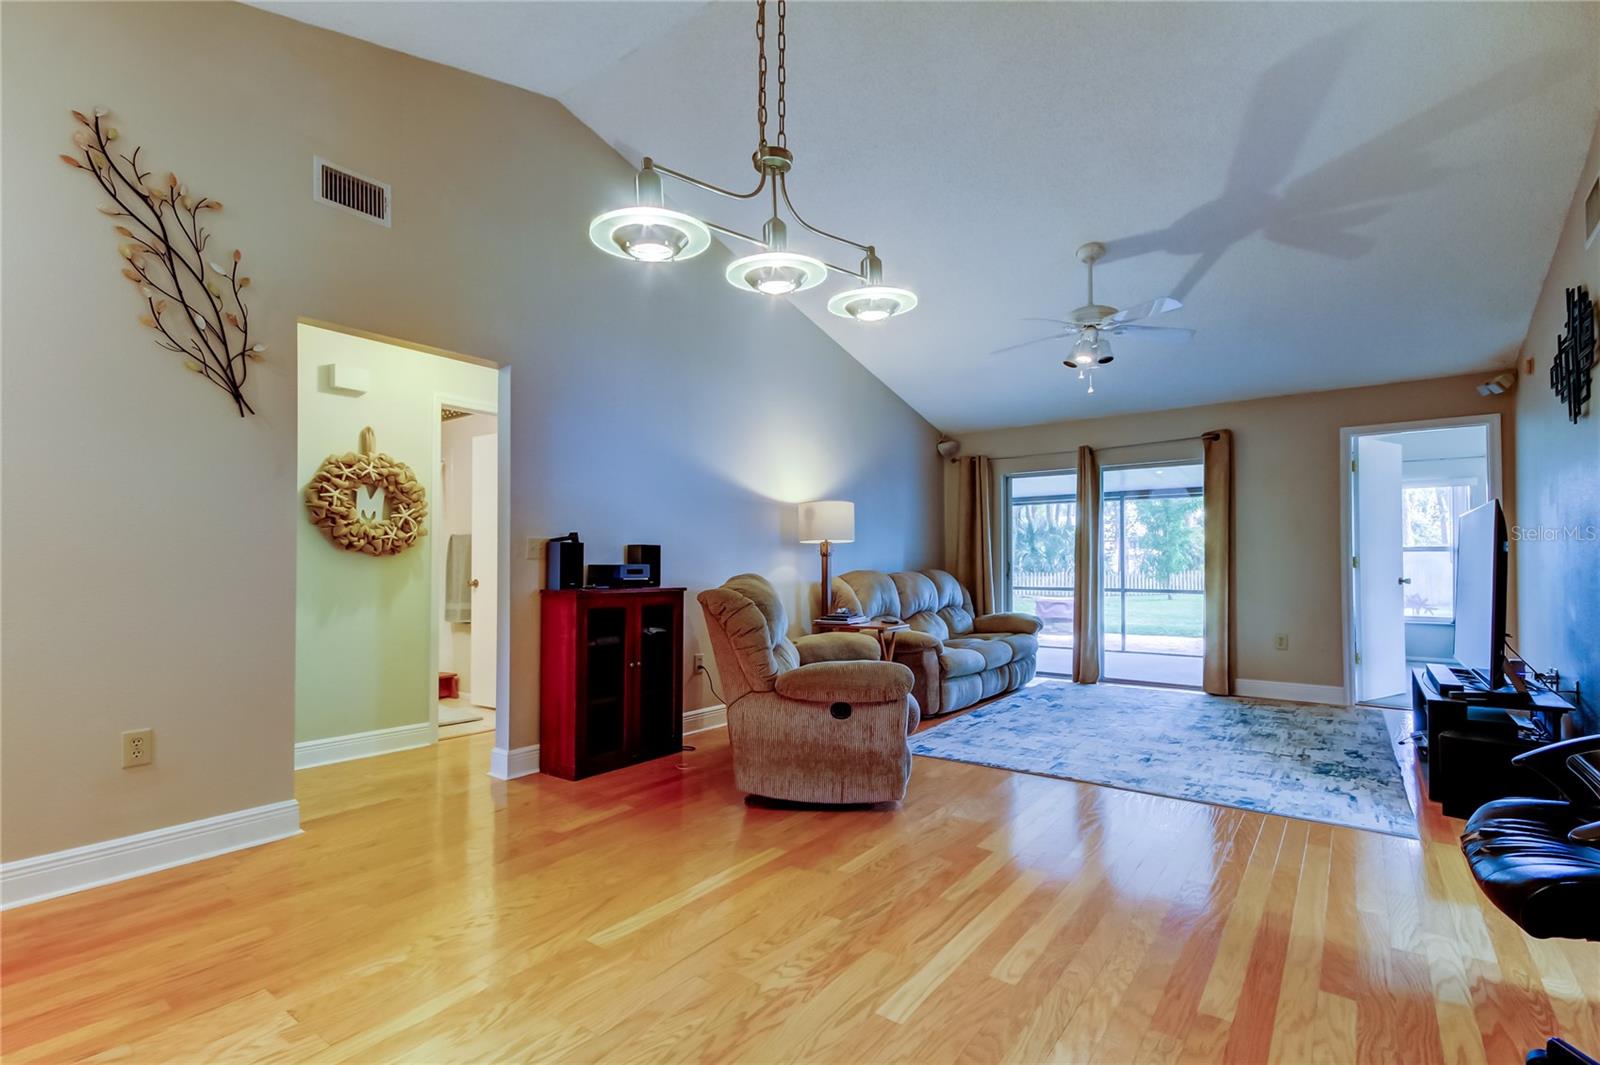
1341 194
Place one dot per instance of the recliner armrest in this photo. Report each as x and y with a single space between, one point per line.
916 640
1025 624
846 682
1563 764
837 647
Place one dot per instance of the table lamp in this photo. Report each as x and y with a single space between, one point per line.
827 522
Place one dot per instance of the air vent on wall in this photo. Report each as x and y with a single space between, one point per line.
342 187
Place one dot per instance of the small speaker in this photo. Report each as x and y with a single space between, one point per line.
645 555
564 562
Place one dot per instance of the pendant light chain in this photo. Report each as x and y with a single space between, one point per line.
761 71
783 74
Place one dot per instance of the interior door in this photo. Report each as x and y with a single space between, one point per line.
1380 595
485 557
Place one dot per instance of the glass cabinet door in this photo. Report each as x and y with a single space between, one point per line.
602 711
657 678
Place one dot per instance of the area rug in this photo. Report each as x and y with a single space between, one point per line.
1332 764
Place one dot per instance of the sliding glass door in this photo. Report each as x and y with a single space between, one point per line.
1042 522
1152 611
1153 573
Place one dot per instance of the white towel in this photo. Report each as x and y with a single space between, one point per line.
458 579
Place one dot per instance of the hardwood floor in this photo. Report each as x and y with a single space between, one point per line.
430 914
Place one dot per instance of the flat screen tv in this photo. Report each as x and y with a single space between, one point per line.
1482 553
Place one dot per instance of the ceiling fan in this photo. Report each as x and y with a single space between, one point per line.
1092 325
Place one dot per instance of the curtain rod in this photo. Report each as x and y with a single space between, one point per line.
1196 438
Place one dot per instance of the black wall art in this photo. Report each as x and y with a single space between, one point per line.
1569 373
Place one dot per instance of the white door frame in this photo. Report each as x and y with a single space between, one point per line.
442 400
1347 437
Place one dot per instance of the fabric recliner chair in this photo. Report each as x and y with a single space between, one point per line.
818 719
957 655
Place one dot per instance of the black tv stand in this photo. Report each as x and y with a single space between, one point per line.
1471 742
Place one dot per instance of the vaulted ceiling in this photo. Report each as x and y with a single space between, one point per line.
1340 194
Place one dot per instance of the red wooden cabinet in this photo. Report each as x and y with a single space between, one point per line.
611 678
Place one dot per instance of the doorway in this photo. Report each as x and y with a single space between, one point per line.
466 563
368 622
1407 485
1042 525
1152 569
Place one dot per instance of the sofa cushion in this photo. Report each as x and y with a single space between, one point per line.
869 592
994 652
1021 644
954 603
961 662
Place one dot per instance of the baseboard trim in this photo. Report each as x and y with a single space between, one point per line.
80 868
516 762
1294 693
361 745
704 719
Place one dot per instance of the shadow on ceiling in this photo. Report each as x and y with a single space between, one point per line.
1322 211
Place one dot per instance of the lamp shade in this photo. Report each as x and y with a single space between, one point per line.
833 520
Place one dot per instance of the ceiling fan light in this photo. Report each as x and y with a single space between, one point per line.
872 303
649 234
776 273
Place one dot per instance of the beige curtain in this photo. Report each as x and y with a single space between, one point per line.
975 538
1086 573
1219 666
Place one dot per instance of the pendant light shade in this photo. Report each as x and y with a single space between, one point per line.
649 234
872 303
776 273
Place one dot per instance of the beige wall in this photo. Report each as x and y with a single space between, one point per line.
1288 558
363 625
1558 479
149 533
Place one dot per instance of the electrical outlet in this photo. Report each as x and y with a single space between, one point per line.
138 748
535 549
699 663
1281 641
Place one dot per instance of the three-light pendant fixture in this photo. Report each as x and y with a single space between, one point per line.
650 233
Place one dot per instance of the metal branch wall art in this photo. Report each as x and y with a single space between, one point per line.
194 304
1569 371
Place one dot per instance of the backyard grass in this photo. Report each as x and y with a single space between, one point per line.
1149 613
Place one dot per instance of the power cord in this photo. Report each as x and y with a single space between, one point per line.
710 684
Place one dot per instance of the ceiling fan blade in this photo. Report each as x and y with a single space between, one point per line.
1072 327
1144 310
1154 332
1030 343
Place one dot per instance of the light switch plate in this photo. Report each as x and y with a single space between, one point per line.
535 548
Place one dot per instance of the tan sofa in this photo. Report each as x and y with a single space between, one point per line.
816 719
956 656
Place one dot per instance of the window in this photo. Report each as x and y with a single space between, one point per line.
1428 524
